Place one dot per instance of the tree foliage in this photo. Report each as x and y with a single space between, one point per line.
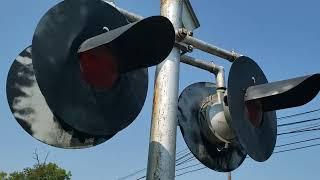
48 171
39 171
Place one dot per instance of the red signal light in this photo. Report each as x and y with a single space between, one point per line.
98 67
254 112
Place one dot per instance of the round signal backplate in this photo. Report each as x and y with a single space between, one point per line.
256 130
209 154
33 114
63 75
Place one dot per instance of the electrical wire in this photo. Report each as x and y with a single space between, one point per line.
298 134
298 122
132 174
303 126
142 177
312 128
181 151
292 136
297 142
181 174
277 152
290 132
298 114
141 170
182 157
278 146
188 167
281 125
294 149
185 161
299 131
191 158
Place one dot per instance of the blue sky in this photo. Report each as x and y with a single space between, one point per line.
282 36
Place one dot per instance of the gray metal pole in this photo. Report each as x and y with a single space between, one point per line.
130 16
202 64
209 48
229 175
218 71
162 147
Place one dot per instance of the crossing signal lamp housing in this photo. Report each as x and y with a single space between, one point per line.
85 77
220 133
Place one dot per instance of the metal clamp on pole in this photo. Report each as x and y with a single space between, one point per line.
185 48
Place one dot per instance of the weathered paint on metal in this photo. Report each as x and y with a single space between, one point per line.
204 143
162 147
31 111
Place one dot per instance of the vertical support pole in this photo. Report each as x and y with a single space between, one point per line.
229 175
162 147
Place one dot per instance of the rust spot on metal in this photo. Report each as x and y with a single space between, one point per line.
156 98
164 2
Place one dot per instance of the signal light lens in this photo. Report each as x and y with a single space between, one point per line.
254 112
98 67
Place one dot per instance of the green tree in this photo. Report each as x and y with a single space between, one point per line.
48 171
2 175
39 171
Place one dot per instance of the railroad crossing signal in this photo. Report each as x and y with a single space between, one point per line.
89 66
85 78
220 133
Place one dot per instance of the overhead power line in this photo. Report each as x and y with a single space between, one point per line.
179 157
299 131
141 177
282 145
185 157
188 167
298 122
294 149
189 159
185 161
181 151
277 152
277 146
310 125
298 114
181 174
297 142
182 157
132 174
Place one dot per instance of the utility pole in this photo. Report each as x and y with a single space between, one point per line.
162 146
229 175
